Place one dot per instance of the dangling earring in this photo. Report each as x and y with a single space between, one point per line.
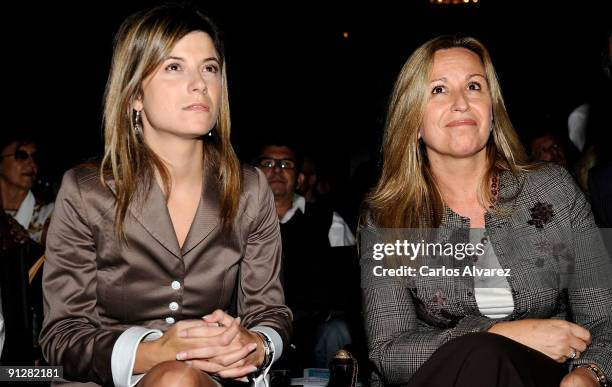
210 133
137 127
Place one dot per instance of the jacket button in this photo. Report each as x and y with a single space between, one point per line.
169 320
176 285
173 306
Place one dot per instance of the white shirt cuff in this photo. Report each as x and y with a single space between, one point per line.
277 348
124 354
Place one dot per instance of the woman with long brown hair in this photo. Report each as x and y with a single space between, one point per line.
163 262
453 162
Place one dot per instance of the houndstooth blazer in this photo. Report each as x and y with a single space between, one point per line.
543 231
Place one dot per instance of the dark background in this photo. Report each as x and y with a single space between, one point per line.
290 68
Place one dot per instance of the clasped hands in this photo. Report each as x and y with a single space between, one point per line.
558 339
217 344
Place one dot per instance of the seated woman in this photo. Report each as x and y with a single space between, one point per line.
24 220
18 172
452 161
150 253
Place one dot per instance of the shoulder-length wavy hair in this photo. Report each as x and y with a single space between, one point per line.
406 195
142 43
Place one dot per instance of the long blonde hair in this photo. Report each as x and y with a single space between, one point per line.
143 41
406 195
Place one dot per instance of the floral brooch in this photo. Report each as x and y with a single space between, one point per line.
541 213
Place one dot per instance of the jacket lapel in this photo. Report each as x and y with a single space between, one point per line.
509 188
151 211
207 217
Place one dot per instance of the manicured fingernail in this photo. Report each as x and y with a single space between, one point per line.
181 356
188 362
253 369
238 319
251 347
206 317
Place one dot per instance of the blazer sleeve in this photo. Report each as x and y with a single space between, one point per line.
590 297
71 335
398 341
261 301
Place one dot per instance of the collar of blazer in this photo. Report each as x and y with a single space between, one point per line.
509 188
151 211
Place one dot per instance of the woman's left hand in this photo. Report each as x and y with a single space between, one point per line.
234 369
579 377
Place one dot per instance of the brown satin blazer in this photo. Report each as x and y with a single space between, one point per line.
95 287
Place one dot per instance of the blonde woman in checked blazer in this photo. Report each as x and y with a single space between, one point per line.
453 161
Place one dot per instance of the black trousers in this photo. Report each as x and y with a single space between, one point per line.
488 360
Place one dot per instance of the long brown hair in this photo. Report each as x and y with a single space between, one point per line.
143 41
406 195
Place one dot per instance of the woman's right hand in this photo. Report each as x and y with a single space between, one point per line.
215 339
555 338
